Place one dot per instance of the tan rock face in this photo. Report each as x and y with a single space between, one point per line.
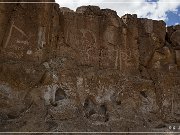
88 70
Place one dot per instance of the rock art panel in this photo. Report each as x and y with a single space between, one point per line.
60 68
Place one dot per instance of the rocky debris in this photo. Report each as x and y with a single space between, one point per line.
87 70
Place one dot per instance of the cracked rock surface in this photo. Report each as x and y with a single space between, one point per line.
87 70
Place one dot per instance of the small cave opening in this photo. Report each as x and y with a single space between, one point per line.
103 111
11 116
143 93
89 107
90 113
89 103
86 103
118 101
60 95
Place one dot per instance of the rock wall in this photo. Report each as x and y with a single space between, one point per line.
88 70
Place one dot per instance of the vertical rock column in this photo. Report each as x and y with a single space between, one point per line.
129 50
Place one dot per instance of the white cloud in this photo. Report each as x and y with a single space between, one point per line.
177 23
153 10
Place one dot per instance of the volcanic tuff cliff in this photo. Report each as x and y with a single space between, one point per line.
88 70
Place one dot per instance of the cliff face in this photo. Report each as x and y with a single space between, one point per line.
88 70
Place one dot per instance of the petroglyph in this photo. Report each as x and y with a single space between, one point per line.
110 54
117 58
124 60
9 36
87 42
88 36
22 42
10 33
21 31
29 52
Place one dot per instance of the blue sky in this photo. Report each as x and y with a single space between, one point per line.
173 18
167 10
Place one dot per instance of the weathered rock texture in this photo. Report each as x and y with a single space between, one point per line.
88 70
